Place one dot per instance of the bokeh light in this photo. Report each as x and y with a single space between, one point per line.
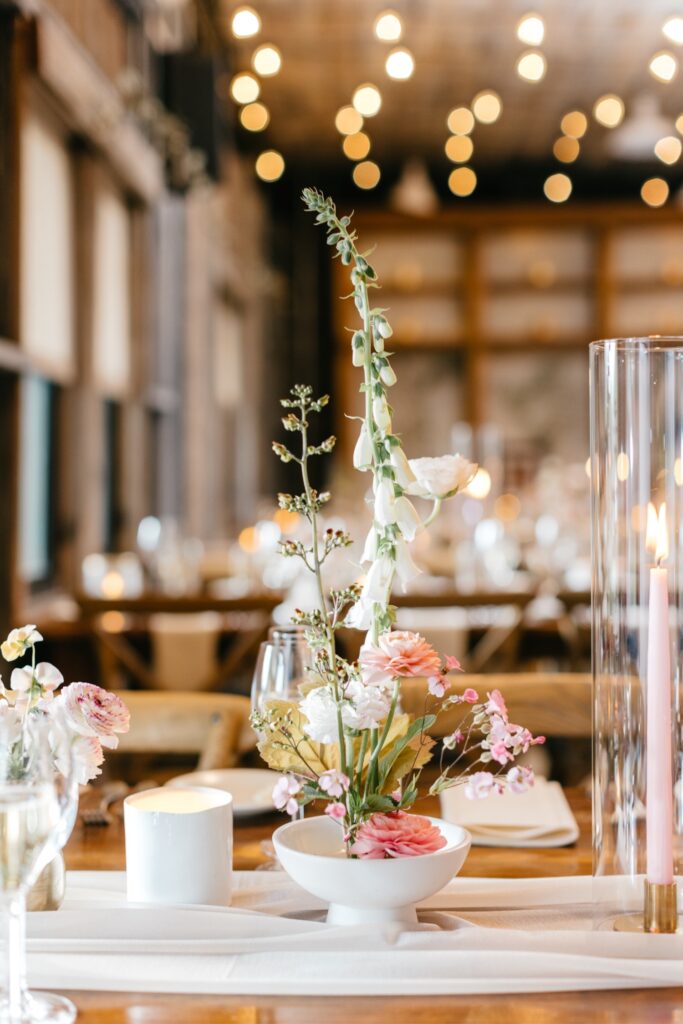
531 66
366 174
654 192
367 100
245 23
462 181
557 188
487 106
270 165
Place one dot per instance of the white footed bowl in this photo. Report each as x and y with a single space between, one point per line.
366 891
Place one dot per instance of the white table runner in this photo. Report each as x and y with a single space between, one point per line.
476 936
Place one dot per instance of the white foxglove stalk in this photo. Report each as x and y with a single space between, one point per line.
358 356
441 477
380 411
406 570
404 474
370 547
378 342
378 581
362 453
387 376
407 519
360 615
385 503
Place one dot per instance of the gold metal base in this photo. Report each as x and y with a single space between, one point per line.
660 913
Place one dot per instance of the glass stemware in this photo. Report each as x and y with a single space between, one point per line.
284 663
37 811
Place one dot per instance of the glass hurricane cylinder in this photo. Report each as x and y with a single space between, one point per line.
636 471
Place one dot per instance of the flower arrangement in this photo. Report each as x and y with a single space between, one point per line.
90 717
347 742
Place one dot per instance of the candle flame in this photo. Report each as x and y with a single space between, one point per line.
657 532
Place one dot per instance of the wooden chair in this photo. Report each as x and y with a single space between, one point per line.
558 704
214 726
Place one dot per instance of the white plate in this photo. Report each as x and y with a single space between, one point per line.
251 788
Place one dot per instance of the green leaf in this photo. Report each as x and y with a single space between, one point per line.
416 727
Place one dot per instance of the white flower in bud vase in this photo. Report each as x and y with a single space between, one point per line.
404 474
19 641
380 411
370 547
362 453
407 519
406 570
441 477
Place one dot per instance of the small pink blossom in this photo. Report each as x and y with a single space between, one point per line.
336 811
284 794
470 696
91 711
519 779
334 782
398 653
500 753
396 835
496 705
451 742
479 785
452 664
437 685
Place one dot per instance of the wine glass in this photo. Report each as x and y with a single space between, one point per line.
37 810
284 662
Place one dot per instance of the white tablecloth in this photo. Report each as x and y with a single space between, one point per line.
476 936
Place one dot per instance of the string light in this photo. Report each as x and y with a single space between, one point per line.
367 100
357 146
270 165
557 188
459 148
531 66
673 30
531 29
388 27
245 23
348 121
254 117
460 121
400 64
487 106
566 149
366 174
266 60
654 192
574 124
244 88
664 66
609 110
668 149
462 181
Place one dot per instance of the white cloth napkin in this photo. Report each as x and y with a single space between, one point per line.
535 935
539 817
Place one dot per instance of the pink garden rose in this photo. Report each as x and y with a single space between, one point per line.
91 711
396 835
398 653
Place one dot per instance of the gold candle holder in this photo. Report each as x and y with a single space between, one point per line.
660 912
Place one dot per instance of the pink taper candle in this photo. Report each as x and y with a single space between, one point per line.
659 809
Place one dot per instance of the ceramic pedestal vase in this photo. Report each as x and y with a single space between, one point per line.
366 891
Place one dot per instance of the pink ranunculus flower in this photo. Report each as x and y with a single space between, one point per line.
398 653
470 696
91 711
496 705
396 835
336 811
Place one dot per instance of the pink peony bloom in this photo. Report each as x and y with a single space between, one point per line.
437 685
452 664
479 785
91 711
399 653
334 783
396 835
470 696
336 811
285 792
496 705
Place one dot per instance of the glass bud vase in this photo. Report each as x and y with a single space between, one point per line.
636 472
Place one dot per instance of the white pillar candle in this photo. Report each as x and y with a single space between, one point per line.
179 846
659 808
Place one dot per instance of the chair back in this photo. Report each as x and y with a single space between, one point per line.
184 649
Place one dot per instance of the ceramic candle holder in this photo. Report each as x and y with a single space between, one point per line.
179 846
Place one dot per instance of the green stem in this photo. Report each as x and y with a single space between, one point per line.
433 514
377 748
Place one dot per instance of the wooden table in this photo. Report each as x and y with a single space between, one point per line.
102 849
